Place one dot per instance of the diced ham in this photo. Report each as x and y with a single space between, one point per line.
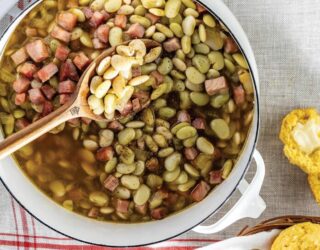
115 126
215 177
159 213
37 50
120 21
136 105
75 45
136 71
127 109
93 212
67 20
97 19
153 18
183 116
47 72
72 4
239 95
153 164
122 206
60 34
31 32
105 154
200 8
81 61
111 183
27 69
172 199
230 46
97 44
143 96
200 191
20 56
172 45
216 86
102 33
105 14
62 53
136 30
217 154
21 84
64 98
161 194
36 96
20 98
66 87
142 209
68 71
47 108
22 123
48 91
159 77
190 153
87 12
199 123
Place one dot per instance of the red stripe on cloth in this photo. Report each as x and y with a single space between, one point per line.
24 226
34 233
15 220
35 236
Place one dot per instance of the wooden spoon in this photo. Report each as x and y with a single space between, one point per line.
76 107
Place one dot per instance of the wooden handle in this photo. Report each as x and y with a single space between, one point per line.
36 129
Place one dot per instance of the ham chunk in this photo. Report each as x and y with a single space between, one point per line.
62 53
20 98
190 153
47 72
239 95
105 154
159 213
120 21
159 77
60 34
47 108
27 69
136 105
64 98
68 71
136 30
87 12
21 84
102 33
93 212
81 61
172 45
200 191
66 87
127 109
143 96
153 18
48 91
115 126
200 8
97 19
215 177
37 50
122 206
183 116
136 71
111 183
22 123
153 164
199 123
230 46
31 32
216 86
141 209
97 44
36 96
20 56
67 20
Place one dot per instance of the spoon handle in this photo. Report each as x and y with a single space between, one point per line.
37 129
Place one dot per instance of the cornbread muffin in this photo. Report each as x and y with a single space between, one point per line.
304 236
314 182
300 133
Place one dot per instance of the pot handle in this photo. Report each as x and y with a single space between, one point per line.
6 6
250 205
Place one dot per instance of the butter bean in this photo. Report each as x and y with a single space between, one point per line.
188 25
172 8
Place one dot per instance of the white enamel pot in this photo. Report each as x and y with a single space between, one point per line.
112 234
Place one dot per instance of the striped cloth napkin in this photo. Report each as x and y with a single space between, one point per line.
19 230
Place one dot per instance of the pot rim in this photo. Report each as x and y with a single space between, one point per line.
255 136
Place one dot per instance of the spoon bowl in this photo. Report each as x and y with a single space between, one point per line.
76 107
